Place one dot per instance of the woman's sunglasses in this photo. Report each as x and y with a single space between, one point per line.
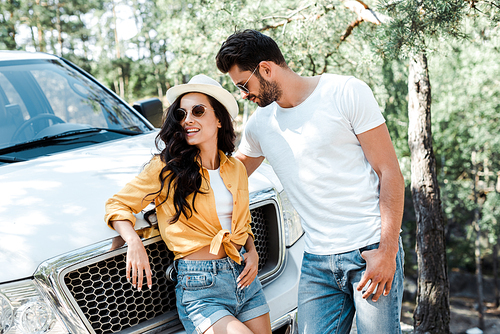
197 111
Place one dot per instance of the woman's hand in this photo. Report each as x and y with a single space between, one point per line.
251 265
137 257
138 265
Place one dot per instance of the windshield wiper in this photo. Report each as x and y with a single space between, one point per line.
9 159
121 131
90 130
62 138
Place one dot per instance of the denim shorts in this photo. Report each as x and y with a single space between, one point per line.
207 291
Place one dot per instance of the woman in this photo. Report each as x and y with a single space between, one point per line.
201 198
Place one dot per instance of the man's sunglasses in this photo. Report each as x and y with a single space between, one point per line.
197 111
243 87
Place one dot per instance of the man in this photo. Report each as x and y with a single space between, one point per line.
328 143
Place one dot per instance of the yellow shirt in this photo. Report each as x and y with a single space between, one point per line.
187 236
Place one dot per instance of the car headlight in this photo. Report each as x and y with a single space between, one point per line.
24 311
6 315
293 228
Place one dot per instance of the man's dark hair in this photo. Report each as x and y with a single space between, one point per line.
247 49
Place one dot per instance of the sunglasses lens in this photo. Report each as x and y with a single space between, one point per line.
243 89
179 114
198 111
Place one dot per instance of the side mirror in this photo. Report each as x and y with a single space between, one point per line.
152 110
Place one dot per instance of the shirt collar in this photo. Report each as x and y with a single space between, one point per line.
223 159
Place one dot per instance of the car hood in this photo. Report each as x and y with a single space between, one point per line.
55 204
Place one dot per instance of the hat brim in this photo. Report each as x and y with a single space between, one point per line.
218 93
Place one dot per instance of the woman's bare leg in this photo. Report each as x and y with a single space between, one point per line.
260 325
229 325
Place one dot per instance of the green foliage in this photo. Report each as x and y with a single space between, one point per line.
395 105
177 39
413 22
9 12
491 216
466 118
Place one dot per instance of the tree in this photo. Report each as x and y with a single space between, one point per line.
414 26
491 219
411 22
387 44
466 131
9 10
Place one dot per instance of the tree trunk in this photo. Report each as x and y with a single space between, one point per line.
156 71
33 38
59 27
495 274
121 81
41 41
11 27
477 228
432 312
115 30
479 272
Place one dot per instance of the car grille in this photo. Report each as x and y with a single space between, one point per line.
108 302
259 229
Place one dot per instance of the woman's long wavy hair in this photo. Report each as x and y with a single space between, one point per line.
181 173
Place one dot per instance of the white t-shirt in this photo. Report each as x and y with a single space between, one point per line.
223 199
314 150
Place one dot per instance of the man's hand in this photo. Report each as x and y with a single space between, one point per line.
380 269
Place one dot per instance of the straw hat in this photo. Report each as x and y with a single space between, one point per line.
203 84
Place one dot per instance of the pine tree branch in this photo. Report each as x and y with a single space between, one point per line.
289 18
292 14
328 55
312 63
492 4
364 14
350 28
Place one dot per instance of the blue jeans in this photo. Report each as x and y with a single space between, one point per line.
328 298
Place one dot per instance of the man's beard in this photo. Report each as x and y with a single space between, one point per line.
269 92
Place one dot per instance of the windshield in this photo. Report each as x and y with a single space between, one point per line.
45 98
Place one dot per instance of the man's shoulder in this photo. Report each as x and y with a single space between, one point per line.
341 84
336 79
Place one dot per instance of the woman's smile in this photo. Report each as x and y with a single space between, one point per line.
200 131
191 131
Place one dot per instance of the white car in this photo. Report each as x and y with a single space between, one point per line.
67 144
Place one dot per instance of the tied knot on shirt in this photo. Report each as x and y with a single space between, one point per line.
223 237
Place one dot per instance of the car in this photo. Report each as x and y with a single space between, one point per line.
68 143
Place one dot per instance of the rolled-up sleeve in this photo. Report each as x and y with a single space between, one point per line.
136 194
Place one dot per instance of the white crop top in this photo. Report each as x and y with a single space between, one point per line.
223 199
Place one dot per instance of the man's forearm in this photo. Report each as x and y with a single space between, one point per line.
251 164
391 210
